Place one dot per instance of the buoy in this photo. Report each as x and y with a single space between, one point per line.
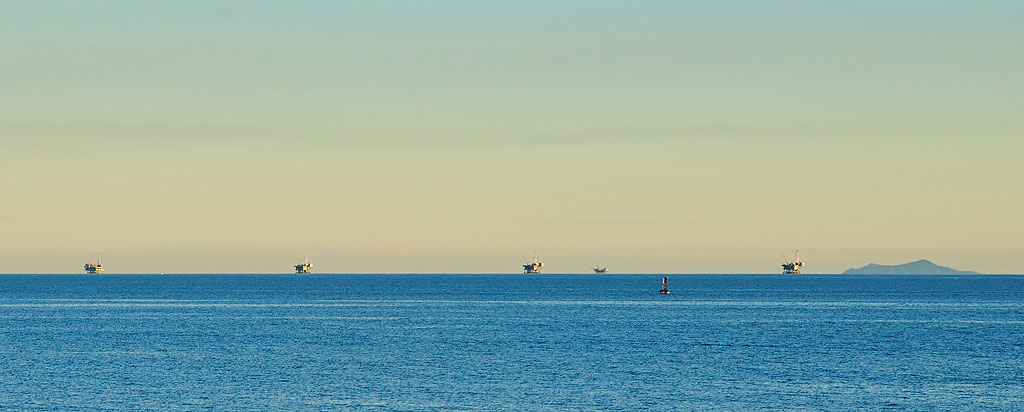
664 286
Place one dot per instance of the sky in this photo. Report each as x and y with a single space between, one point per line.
456 136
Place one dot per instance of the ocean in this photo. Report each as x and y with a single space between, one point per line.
548 342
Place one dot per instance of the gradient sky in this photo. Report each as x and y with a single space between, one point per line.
452 136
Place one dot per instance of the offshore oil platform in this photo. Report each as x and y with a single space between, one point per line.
305 267
94 269
532 267
600 269
792 267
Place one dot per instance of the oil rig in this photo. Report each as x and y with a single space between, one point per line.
792 267
94 269
305 267
532 267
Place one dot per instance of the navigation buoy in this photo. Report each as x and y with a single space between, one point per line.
664 286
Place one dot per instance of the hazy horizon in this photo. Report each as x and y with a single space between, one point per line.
452 136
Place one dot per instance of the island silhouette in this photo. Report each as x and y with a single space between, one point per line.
920 267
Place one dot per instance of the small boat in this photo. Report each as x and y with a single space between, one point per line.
664 286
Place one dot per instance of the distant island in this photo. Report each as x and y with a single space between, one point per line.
921 267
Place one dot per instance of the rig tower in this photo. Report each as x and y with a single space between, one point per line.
94 269
532 267
792 267
305 267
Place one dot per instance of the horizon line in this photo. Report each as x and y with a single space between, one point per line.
501 273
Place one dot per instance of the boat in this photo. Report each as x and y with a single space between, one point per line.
305 267
532 267
600 269
664 286
792 267
93 269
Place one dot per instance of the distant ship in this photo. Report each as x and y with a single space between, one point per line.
94 269
305 267
600 269
532 267
792 267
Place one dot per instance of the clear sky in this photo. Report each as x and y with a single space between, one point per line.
452 136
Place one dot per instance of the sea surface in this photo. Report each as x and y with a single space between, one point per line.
440 342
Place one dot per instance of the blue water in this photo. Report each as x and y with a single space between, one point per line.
510 342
